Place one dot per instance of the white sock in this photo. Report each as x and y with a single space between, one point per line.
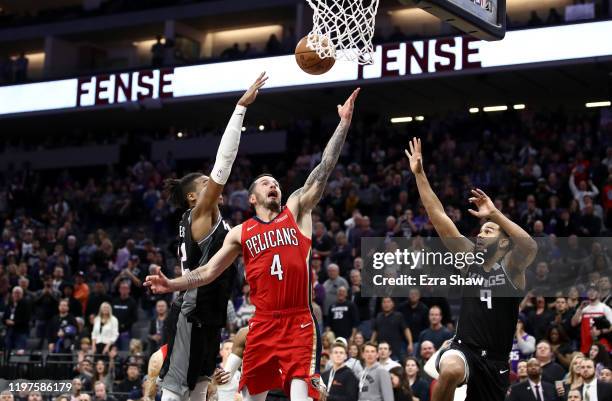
299 390
232 364
199 391
255 397
168 395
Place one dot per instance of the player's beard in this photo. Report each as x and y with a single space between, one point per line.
488 250
273 205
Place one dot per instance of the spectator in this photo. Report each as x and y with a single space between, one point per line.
521 371
76 390
605 375
362 303
599 355
343 316
321 242
63 329
427 351
17 321
246 310
105 329
582 190
76 308
551 371
384 356
341 254
593 389
560 344
273 46
574 395
436 333
157 51
6 395
96 299
416 313
36 396
589 310
539 318
401 385
126 311
81 291
534 387
231 53
132 382
331 286
100 393
156 328
341 383
523 344
375 382
534 19
104 373
419 387
390 326
84 371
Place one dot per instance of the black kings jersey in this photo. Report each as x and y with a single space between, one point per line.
206 305
489 310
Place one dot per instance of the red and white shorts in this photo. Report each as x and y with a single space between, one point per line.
281 346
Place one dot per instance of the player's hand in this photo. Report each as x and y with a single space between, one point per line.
220 377
159 283
484 204
345 111
415 156
251 93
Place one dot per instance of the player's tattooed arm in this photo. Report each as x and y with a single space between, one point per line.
203 275
309 195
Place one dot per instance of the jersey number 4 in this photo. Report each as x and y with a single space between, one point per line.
276 269
485 296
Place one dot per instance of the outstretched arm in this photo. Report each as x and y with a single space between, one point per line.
525 248
306 198
444 226
228 149
203 275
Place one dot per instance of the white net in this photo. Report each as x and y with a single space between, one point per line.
343 29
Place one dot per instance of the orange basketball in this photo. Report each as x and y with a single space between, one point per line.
309 61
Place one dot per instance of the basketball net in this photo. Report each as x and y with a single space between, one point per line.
343 29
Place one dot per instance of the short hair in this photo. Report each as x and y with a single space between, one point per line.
252 186
371 344
338 345
385 342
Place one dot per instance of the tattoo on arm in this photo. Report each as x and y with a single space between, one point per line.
329 159
193 278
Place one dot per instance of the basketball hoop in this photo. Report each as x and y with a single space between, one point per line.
343 29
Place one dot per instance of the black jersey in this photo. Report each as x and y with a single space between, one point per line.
206 305
489 311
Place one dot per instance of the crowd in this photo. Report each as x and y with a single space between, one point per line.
74 252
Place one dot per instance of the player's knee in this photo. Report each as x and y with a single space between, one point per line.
452 369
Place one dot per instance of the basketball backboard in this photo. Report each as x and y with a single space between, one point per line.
484 19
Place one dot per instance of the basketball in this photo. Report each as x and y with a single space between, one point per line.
309 61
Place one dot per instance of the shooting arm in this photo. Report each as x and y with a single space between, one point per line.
308 196
524 249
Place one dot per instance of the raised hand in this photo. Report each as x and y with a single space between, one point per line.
484 204
159 283
251 94
345 111
415 156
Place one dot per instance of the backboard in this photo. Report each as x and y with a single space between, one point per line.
484 19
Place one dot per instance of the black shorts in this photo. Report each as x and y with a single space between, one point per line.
488 379
192 352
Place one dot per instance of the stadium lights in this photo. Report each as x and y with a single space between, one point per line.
261 127
243 128
518 106
474 110
605 103
399 120
494 108
179 134
419 118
